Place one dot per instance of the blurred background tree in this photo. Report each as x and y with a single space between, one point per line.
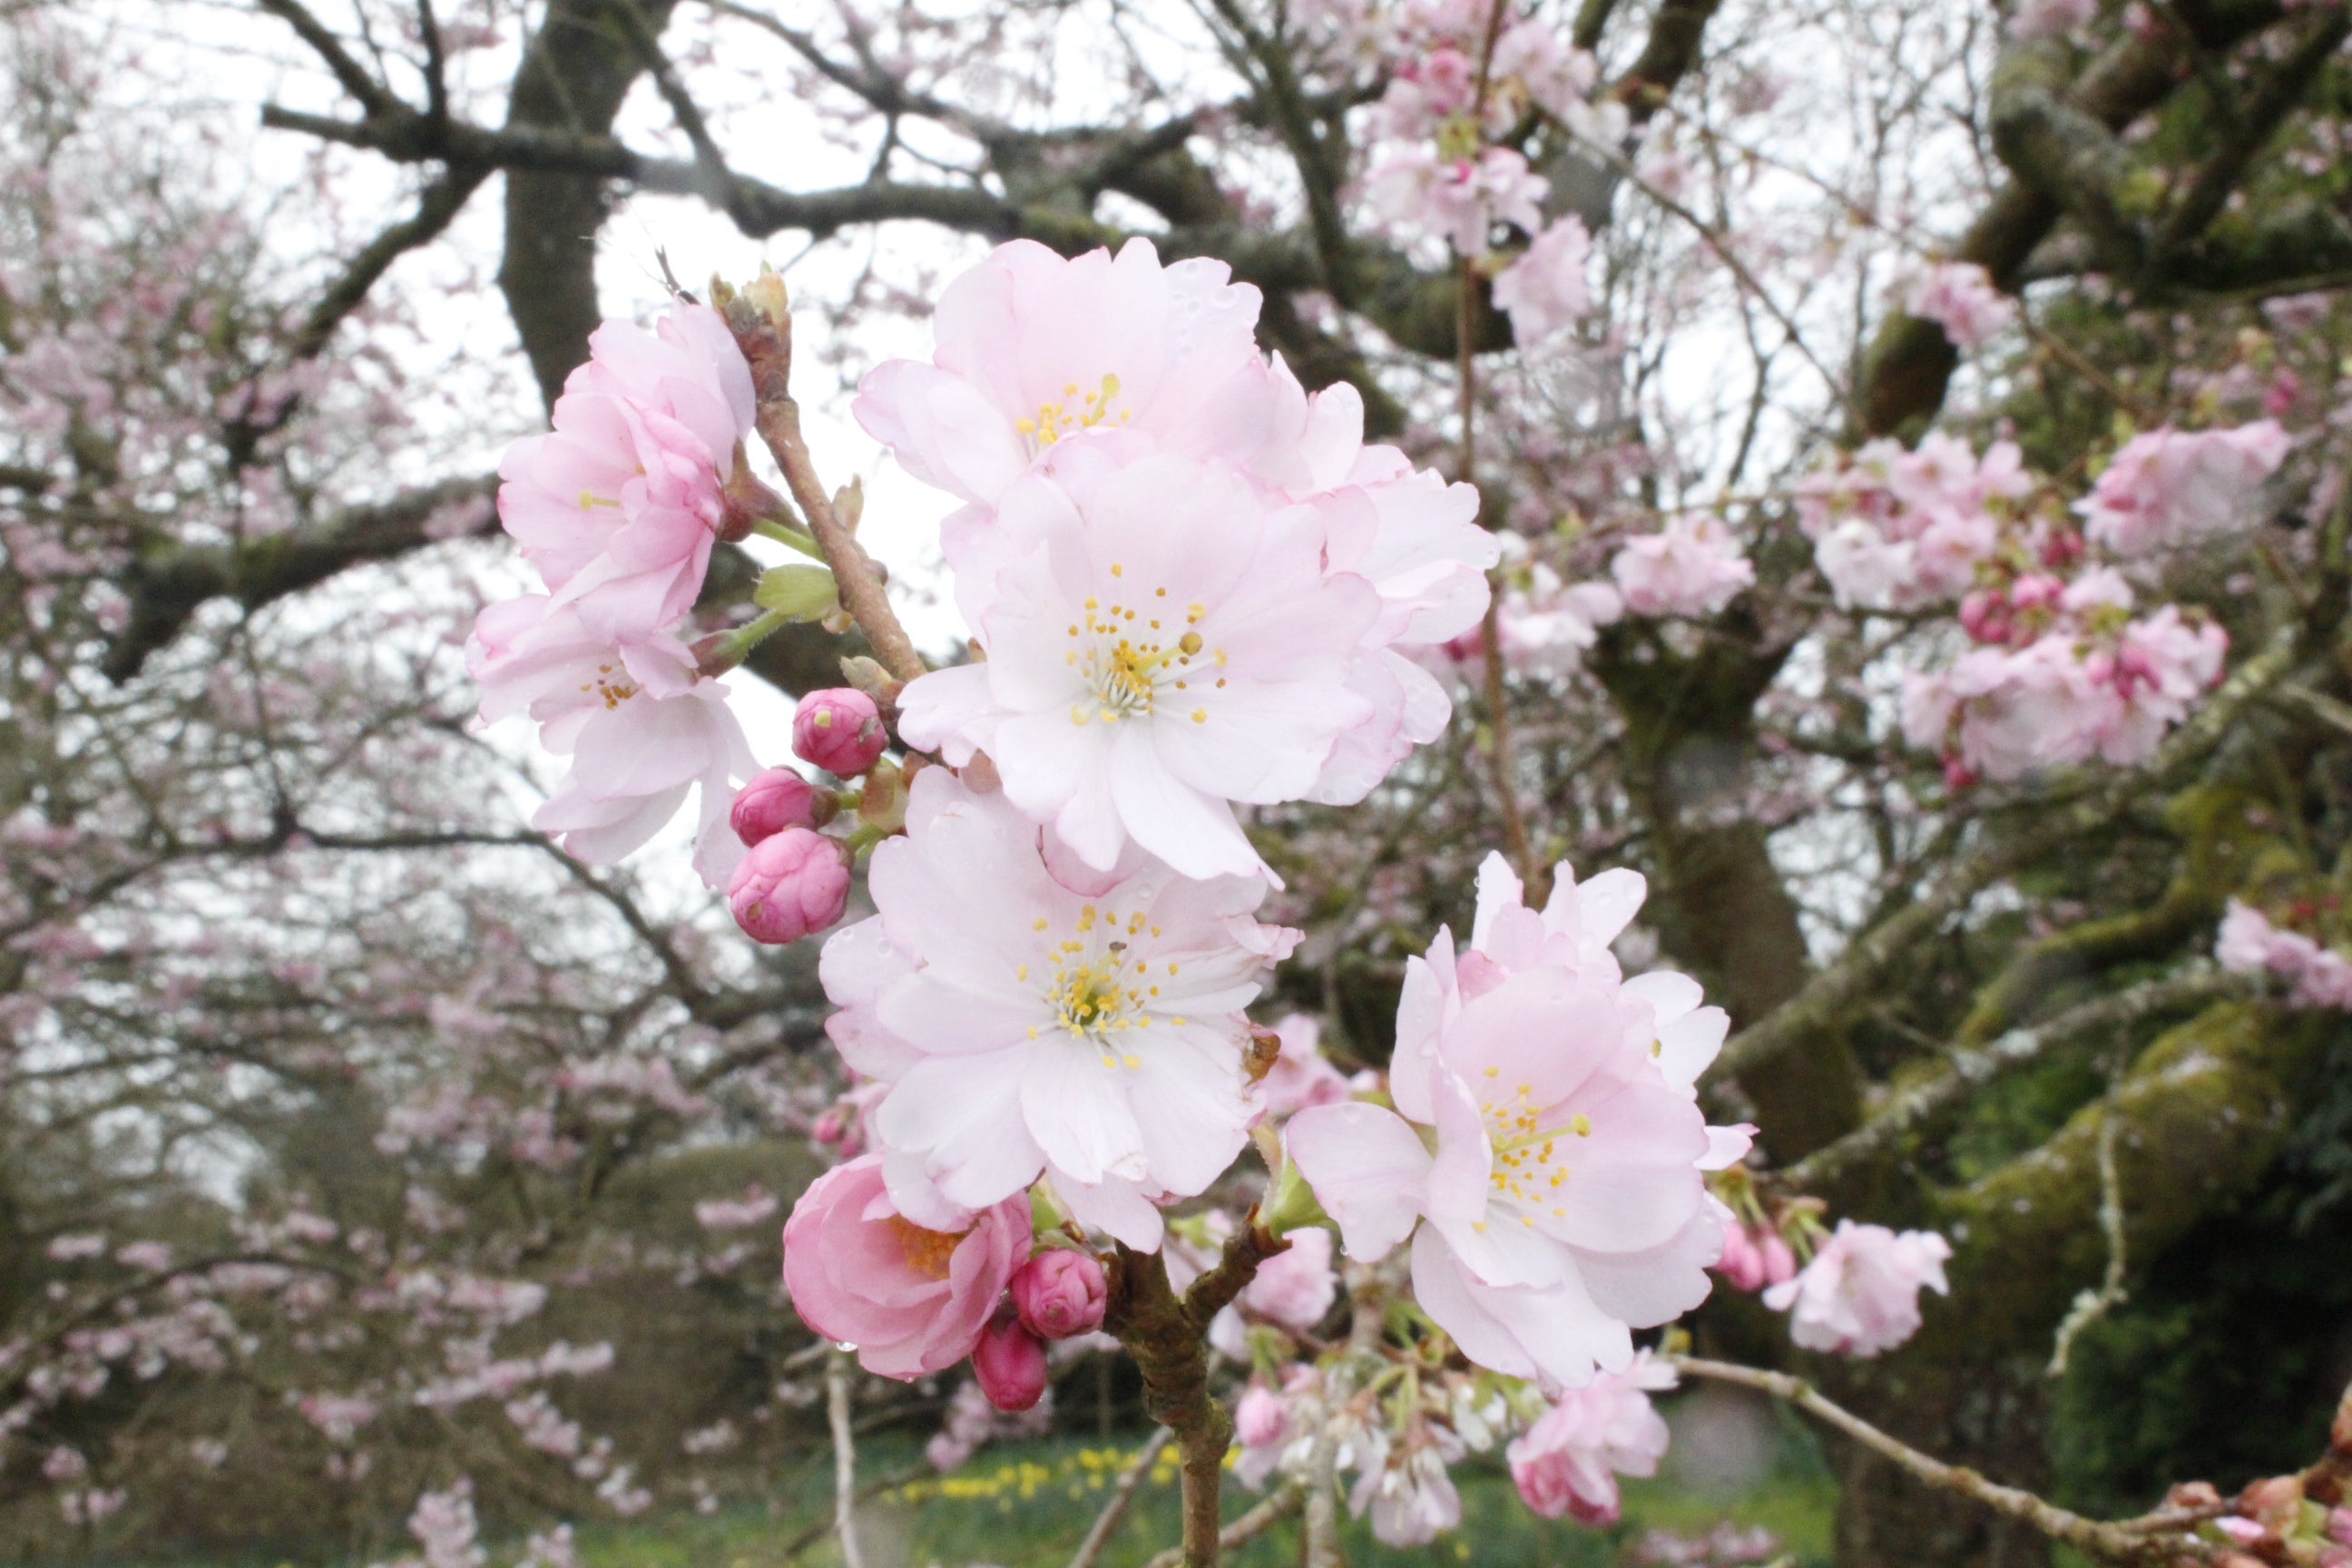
352 1139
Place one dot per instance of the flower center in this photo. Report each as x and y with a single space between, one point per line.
928 1252
1529 1168
1125 658
1100 986
1056 419
611 688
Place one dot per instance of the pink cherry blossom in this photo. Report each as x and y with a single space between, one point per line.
1691 567
1567 1462
1259 1418
1420 191
640 726
1300 1076
791 884
2171 488
1169 641
912 1298
1035 349
2316 976
619 506
1545 289
1547 627
1295 1288
1032 1017
1528 1059
1958 297
1860 1295
839 731
1407 1491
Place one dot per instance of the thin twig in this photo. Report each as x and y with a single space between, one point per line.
1966 1072
2128 1541
763 332
1122 1492
845 1459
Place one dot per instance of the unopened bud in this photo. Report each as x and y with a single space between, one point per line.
791 884
774 800
1010 1365
839 730
766 292
1060 1293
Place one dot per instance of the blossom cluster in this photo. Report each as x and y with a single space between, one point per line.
618 509
1444 171
1190 587
2062 665
2315 975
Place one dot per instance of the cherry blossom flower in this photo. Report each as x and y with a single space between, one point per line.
1958 297
2070 695
1032 1017
1301 1075
1567 1462
1894 529
1546 626
619 506
1564 1204
1545 289
640 726
1413 537
1035 349
1691 567
1420 191
2316 976
912 1297
1406 1490
2169 488
1860 1294
1293 1290
1168 642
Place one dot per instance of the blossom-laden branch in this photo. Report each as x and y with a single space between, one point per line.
763 324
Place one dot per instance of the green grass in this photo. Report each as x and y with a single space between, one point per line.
1027 1505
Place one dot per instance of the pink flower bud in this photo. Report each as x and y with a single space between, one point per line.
840 730
774 801
1780 1262
1742 1263
1010 1363
1259 1419
791 884
1059 1293
2340 1526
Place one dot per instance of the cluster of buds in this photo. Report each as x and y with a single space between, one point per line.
794 881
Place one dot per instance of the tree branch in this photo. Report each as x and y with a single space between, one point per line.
2157 1538
168 585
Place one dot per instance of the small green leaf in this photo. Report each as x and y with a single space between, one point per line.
798 590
